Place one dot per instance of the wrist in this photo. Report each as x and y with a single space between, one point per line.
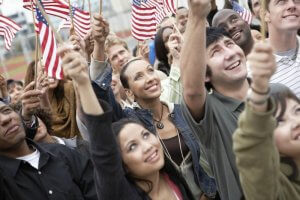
262 90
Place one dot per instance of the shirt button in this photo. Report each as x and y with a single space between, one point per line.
39 172
50 192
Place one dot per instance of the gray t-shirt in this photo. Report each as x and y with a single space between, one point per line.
215 134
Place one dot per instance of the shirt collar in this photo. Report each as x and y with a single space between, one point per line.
168 104
231 103
11 165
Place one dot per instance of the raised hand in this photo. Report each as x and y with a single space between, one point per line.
262 64
43 82
30 100
74 64
3 87
199 8
89 43
174 44
100 29
143 50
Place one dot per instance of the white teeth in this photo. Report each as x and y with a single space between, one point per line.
236 34
234 66
151 157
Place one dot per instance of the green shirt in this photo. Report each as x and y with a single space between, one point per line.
261 173
215 134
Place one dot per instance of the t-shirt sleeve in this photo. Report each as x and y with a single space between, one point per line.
203 128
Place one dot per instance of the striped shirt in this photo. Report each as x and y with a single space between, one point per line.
288 70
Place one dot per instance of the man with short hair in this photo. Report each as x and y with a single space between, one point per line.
283 19
40 171
217 62
238 28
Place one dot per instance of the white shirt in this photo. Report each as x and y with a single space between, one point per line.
32 159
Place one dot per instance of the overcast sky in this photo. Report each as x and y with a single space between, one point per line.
12 6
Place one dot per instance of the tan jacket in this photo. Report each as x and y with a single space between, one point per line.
262 175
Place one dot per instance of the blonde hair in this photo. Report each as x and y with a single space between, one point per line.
112 40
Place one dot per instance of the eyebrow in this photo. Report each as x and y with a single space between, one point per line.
3 107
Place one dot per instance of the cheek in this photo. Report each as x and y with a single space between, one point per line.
132 160
282 138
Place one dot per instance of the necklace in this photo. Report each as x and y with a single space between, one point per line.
159 124
167 152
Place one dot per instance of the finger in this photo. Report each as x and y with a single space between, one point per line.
29 86
64 49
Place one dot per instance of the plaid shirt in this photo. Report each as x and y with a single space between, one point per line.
172 87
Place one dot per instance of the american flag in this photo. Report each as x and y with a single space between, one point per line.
52 7
60 9
81 20
51 60
170 6
243 12
146 15
8 30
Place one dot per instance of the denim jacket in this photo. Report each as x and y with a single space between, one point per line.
103 91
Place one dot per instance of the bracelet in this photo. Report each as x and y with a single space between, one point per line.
260 93
261 102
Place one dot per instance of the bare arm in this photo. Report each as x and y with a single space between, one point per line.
100 31
192 60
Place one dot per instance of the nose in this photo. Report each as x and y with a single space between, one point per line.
291 5
229 27
4 119
146 146
229 53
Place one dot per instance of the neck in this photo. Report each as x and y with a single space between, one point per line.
248 47
18 151
48 139
155 106
235 91
282 41
157 180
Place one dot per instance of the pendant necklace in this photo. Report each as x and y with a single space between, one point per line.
159 124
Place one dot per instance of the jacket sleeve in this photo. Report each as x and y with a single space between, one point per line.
256 155
110 179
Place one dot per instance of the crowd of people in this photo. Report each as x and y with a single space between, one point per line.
207 110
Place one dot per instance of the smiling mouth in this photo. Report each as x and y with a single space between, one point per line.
236 35
153 157
12 130
291 16
152 87
233 66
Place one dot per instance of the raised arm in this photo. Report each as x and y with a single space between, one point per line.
109 174
100 31
256 155
192 60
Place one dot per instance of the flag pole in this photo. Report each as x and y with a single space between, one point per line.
90 10
36 48
262 17
72 30
100 7
57 36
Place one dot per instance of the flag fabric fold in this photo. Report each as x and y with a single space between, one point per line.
245 14
8 29
147 14
59 8
51 60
